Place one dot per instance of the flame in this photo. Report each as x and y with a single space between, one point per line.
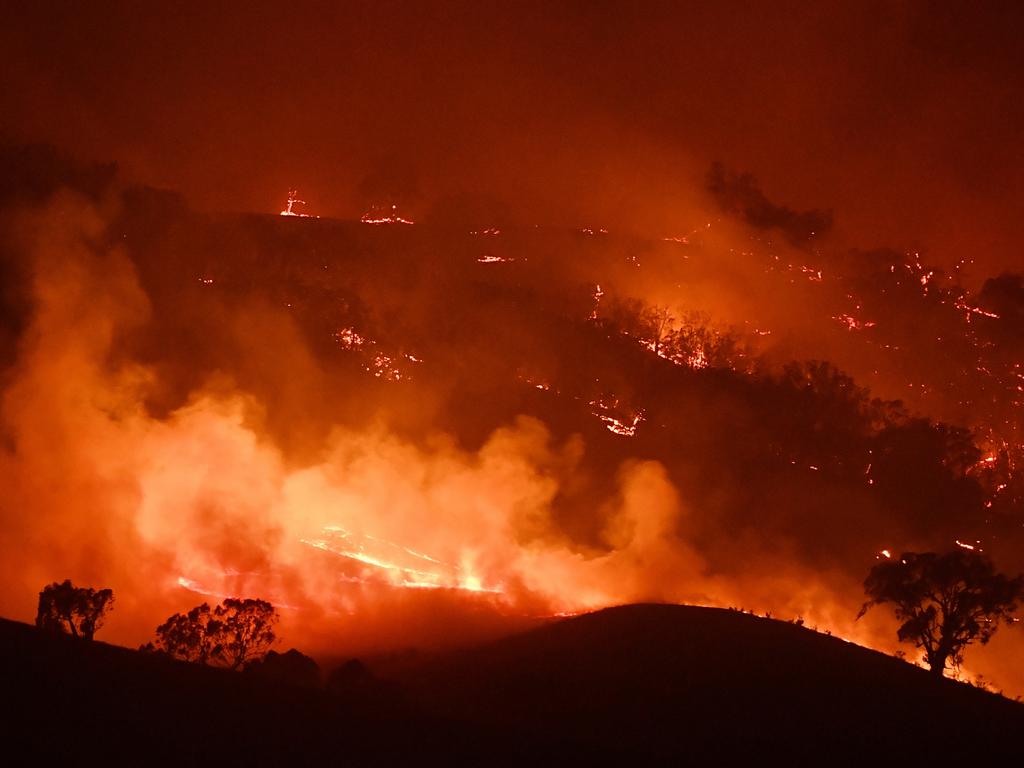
609 414
367 521
853 324
292 201
384 215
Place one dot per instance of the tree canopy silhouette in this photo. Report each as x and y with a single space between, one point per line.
944 601
235 632
291 667
78 611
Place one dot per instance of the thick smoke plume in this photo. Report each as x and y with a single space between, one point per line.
399 452
202 500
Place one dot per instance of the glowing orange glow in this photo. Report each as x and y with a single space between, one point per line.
357 522
598 294
292 201
610 413
965 545
384 215
853 324
348 338
960 304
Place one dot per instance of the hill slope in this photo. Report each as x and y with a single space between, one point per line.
632 685
677 681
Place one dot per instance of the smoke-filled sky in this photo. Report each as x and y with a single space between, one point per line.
903 118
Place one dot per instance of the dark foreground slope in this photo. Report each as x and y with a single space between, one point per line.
633 685
70 702
681 681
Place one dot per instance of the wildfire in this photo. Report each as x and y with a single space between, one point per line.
851 323
606 412
348 338
368 559
293 200
384 215
598 293
381 365
697 360
962 305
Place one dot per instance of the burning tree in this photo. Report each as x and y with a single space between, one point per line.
78 611
944 601
233 633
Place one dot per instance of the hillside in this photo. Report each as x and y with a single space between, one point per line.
93 703
632 685
431 435
681 681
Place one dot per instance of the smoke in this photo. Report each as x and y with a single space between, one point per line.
740 194
181 452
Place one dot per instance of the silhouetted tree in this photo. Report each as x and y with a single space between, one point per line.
236 631
923 472
292 667
247 629
351 676
194 636
78 611
944 601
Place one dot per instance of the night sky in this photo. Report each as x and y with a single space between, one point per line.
905 119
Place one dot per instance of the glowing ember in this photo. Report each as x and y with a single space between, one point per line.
610 413
598 293
348 338
965 545
853 324
384 215
293 200
960 304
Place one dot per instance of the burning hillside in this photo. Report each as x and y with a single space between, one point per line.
377 426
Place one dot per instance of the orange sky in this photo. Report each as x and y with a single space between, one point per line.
903 118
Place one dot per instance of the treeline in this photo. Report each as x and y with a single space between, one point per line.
237 635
